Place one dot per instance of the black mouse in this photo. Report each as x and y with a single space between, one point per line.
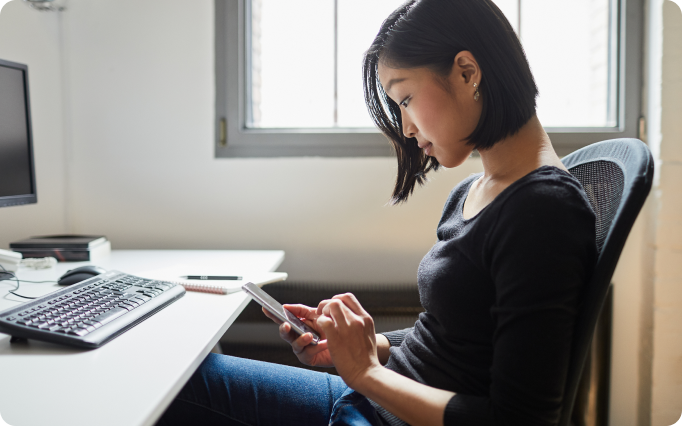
80 274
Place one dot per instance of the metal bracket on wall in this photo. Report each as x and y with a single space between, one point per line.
222 140
642 129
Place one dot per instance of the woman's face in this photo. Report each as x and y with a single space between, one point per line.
439 112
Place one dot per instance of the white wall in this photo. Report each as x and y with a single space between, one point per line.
33 38
666 136
144 174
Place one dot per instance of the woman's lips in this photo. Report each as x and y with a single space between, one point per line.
427 148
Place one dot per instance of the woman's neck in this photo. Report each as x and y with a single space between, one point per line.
516 156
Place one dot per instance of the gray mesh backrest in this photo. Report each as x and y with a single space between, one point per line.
603 182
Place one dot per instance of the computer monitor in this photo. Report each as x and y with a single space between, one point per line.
17 172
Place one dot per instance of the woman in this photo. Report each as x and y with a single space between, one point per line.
501 285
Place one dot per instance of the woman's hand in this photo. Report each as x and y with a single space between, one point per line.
313 355
350 337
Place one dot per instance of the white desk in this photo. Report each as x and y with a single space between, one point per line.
132 379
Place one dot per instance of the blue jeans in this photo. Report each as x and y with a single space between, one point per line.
229 391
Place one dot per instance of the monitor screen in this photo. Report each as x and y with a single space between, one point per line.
17 175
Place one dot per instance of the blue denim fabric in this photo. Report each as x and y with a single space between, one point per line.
229 391
353 409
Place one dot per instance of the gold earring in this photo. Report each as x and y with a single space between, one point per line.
476 94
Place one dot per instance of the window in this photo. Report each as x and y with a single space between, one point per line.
289 83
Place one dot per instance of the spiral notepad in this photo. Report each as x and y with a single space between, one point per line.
175 274
231 286
205 286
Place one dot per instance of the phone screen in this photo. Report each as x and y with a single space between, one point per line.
273 306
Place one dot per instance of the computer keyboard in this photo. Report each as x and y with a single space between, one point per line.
90 313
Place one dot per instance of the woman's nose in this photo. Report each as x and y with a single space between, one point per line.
409 129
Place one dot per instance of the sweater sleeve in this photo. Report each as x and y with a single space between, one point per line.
395 338
540 252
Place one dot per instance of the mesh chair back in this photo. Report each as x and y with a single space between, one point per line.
603 182
617 176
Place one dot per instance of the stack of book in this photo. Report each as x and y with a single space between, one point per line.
64 247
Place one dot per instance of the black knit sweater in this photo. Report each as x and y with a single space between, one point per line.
500 292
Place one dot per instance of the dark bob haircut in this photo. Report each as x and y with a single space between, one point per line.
429 34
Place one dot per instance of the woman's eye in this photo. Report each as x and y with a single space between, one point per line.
405 102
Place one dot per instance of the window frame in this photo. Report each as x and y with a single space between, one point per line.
234 140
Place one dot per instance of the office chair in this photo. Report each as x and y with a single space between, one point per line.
617 176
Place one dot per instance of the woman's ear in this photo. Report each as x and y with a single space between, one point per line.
465 69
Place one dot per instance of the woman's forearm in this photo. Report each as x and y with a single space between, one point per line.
413 402
358 354
383 348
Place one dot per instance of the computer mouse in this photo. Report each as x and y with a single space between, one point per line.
80 274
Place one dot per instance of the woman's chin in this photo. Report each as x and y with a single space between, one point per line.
458 158
452 162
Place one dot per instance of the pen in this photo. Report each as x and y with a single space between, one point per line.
211 277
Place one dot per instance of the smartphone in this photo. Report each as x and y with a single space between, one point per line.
278 310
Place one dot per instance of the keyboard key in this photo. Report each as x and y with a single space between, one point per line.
109 316
78 332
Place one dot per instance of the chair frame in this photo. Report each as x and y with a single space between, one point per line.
636 162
